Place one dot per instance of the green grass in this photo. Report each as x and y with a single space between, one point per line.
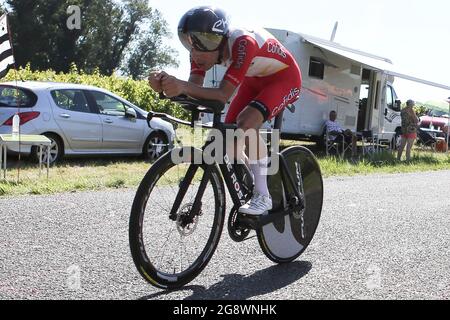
84 174
384 163
74 175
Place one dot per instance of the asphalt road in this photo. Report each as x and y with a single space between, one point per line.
380 237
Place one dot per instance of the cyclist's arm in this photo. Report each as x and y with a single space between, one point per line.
194 86
222 94
174 87
197 79
234 75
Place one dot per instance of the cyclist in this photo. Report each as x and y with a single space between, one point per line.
264 71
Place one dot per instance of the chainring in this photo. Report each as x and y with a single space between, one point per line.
236 233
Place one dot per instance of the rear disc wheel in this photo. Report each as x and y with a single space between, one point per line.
284 240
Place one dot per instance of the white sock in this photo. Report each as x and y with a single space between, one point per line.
259 170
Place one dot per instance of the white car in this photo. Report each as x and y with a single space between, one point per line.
81 120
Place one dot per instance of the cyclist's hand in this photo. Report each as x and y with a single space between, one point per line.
172 86
155 79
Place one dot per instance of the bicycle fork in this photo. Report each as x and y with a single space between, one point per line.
184 185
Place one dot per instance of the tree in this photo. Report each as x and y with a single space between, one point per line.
420 110
108 30
143 54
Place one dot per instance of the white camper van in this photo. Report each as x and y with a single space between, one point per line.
358 85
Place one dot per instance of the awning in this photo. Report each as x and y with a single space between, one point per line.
368 60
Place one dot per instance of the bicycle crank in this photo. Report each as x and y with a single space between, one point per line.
236 232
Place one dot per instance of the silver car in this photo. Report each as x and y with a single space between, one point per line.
81 120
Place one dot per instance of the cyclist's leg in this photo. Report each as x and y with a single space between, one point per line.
280 90
244 96
250 120
273 97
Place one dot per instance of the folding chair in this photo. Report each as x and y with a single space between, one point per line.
426 140
368 142
336 143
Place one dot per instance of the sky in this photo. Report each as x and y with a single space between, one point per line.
413 34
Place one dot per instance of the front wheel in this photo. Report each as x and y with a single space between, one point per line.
171 250
286 239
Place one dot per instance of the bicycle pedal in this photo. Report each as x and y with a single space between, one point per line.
250 221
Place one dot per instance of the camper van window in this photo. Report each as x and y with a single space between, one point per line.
397 103
389 97
316 68
365 79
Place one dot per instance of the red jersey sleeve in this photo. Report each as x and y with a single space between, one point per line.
196 70
243 51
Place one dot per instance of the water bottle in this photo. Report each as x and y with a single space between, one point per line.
15 125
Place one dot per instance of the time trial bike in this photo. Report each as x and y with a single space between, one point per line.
179 208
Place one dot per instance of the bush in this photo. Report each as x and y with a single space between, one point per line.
137 92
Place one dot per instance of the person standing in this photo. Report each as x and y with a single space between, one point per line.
409 129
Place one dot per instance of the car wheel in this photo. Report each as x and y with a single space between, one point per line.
156 145
56 150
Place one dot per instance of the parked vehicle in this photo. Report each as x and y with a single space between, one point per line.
81 120
356 84
435 119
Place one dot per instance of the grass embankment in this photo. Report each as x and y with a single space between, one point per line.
73 175
96 174
384 163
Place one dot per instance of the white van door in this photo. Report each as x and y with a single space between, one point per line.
392 119
376 101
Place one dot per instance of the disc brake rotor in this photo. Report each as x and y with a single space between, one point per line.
184 227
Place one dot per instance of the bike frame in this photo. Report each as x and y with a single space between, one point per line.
235 185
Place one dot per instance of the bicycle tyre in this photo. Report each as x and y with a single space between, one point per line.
140 248
282 241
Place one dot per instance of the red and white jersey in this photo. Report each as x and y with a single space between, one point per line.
253 54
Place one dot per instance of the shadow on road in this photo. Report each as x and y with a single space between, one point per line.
241 287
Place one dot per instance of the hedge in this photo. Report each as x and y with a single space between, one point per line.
137 92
